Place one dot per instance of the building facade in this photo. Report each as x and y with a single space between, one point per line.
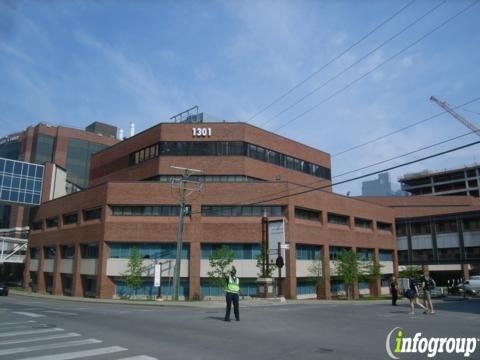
79 244
440 232
68 148
460 181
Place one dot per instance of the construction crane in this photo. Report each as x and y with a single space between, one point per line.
444 105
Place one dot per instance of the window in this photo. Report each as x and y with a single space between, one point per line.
307 214
306 287
308 252
472 252
335 251
147 210
383 226
79 153
401 229
363 223
49 252
34 253
451 254
471 224
227 148
241 251
337 219
420 228
207 178
52 222
92 214
446 226
43 148
148 250
89 251
365 254
69 219
68 251
386 255
422 255
237 210
403 256
20 182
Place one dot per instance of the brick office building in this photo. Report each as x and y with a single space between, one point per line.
80 243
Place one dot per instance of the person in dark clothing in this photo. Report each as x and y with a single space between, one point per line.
412 295
232 290
394 290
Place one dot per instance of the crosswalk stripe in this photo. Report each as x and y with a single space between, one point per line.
61 312
49 346
139 357
42 338
29 332
16 323
79 354
28 314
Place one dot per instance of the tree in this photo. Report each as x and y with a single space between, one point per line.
415 271
316 270
371 272
133 276
348 269
268 269
219 262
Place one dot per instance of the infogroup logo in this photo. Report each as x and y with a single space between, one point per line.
401 344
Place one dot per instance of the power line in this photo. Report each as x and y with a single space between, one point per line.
369 174
402 129
354 63
309 185
380 65
330 61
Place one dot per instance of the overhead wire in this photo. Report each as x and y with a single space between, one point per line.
350 84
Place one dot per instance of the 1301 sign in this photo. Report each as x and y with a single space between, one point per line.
203 132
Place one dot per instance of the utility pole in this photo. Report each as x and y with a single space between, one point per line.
186 187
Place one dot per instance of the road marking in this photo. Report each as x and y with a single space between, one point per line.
28 314
61 312
49 346
42 338
139 357
17 323
79 354
29 332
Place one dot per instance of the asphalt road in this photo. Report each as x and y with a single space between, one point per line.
37 328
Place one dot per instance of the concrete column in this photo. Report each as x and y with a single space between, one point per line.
465 271
77 286
290 288
194 271
326 290
375 286
57 279
26 272
40 273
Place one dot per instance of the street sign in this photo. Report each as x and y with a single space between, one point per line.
285 246
157 276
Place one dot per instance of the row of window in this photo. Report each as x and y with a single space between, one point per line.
208 178
448 254
227 148
148 250
441 226
88 251
145 210
68 219
239 210
240 251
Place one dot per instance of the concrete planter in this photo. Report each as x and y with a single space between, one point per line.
265 288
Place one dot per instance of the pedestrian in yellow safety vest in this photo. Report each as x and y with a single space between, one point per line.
231 294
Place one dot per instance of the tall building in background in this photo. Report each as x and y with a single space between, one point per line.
458 181
68 148
378 187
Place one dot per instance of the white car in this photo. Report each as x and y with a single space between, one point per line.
472 286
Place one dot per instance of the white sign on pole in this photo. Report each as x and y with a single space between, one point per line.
157 276
276 234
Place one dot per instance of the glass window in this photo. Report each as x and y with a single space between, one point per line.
337 219
52 222
383 226
365 254
335 251
69 219
237 210
89 251
307 252
386 255
43 148
471 224
420 228
34 253
446 226
68 251
49 252
92 214
363 223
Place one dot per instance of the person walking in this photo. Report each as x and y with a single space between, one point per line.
231 294
412 295
428 284
394 290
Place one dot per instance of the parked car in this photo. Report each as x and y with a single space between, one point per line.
472 286
3 289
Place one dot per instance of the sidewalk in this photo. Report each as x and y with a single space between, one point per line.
199 304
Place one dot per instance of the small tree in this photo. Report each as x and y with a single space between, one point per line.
268 269
415 271
219 262
133 276
371 272
348 269
316 270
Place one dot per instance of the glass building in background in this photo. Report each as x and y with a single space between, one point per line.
20 182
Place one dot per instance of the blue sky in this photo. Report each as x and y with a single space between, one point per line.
75 62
